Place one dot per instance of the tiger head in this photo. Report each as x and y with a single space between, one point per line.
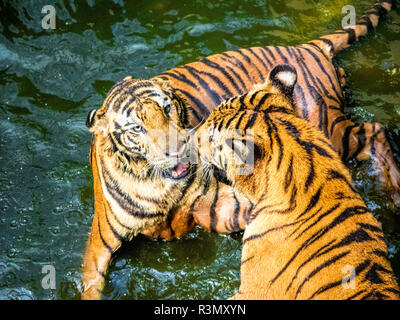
143 124
229 144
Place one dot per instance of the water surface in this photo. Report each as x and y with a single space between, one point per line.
50 79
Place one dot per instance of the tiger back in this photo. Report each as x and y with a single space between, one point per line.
310 235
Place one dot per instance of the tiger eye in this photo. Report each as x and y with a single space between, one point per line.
138 129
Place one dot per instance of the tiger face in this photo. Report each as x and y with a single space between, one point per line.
144 124
228 143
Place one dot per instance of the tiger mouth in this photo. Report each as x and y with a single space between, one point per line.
179 171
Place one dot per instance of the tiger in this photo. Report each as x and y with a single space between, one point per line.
308 223
142 187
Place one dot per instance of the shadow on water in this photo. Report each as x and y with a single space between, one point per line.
50 79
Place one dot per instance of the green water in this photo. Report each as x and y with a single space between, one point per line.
50 79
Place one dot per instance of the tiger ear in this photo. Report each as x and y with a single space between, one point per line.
93 122
283 78
90 118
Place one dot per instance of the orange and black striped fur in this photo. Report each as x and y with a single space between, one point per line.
141 173
134 187
318 97
309 226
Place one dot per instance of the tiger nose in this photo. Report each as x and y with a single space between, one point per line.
178 153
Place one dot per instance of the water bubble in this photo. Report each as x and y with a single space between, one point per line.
54 230
12 252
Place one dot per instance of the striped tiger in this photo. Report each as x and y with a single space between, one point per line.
309 225
143 187
318 97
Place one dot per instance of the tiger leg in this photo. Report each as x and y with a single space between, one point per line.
99 249
365 141
180 222
222 210
341 76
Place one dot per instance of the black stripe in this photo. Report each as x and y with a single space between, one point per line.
116 234
254 115
123 199
260 60
131 91
357 236
351 35
380 10
304 106
319 268
333 174
230 142
366 21
115 218
253 97
280 145
229 121
260 235
322 69
248 60
216 98
356 294
370 227
237 63
266 58
336 121
114 145
110 250
220 124
331 285
213 215
188 182
215 66
336 108
361 139
237 125
373 276
277 109
238 77
328 42
312 203
346 140
181 77
374 295
306 73
345 214
283 57
314 45
235 223
305 262
393 290
203 110
269 51
246 260
320 217
380 253
289 173
191 209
